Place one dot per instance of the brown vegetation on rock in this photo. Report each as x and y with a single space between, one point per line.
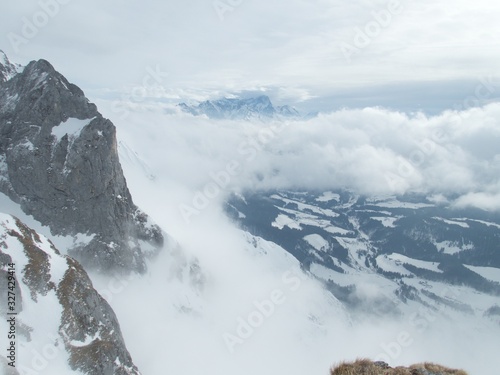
367 367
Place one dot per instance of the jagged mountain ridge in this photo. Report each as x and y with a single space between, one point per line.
259 107
414 247
59 161
7 69
58 309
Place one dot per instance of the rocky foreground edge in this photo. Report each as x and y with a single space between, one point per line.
367 367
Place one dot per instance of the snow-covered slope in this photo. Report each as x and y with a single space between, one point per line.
60 324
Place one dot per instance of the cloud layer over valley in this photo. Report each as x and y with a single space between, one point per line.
453 157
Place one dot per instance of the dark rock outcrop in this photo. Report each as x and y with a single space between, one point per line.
59 161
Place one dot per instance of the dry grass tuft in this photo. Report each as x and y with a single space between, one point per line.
364 366
438 369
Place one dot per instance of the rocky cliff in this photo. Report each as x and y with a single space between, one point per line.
59 161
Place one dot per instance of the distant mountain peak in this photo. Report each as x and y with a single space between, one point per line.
7 68
259 107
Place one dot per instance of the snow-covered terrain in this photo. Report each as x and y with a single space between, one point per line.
45 308
71 127
57 323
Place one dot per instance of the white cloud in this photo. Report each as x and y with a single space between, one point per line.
372 151
482 200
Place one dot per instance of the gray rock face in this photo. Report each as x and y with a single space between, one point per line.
87 326
59 160
86 314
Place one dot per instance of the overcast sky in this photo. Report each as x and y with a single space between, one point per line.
317 54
